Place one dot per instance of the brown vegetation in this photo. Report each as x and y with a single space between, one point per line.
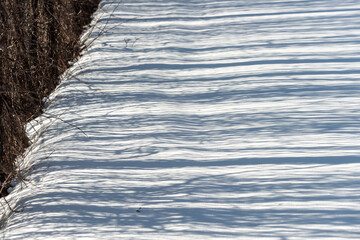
38 38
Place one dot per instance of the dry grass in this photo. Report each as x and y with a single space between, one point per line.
38 39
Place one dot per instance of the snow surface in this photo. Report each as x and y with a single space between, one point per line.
202 119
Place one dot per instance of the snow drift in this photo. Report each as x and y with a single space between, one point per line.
203 119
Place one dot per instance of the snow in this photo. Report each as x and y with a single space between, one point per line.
202 119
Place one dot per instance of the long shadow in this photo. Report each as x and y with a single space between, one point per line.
242 210
230 16
162 66
153 163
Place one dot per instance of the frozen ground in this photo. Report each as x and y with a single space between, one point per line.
224 119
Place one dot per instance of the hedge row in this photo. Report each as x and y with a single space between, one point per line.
38 39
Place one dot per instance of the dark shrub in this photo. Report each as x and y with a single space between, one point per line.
38 38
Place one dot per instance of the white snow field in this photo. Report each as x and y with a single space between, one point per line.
229 119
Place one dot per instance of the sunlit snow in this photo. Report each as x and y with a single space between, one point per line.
203 119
